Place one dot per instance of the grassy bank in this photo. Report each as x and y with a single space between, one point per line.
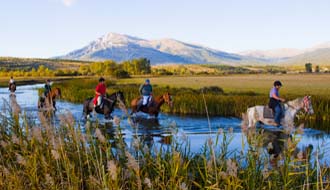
67 156
224 96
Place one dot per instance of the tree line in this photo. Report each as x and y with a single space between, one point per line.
139 66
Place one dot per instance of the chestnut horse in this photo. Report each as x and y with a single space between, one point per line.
156 103
49 103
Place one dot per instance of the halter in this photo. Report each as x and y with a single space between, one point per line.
306 103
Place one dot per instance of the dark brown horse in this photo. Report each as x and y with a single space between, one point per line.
12 87
156 103
48 103
108 105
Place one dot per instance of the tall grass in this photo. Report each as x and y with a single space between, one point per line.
191 101
69 156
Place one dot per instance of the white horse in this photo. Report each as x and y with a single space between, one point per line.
256 114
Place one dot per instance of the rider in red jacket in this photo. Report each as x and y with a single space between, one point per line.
100 92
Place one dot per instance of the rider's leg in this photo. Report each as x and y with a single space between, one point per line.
278 114
99 100
149 101
145 100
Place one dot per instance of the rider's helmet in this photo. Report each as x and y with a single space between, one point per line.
48 80
147 81
277 83
101 79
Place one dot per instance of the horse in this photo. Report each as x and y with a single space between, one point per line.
15 107
256 114
48 103
12 87
108 104
156 103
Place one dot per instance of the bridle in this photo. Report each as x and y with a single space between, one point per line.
306 104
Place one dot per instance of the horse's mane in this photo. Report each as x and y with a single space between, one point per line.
295 103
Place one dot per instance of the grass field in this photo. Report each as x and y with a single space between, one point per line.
298 84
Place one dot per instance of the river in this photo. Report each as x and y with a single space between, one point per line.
158 133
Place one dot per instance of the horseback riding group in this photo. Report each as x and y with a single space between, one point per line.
104 104
276 113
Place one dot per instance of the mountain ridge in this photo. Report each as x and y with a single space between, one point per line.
121 47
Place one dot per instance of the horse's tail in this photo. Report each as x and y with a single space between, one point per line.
85 106
245 121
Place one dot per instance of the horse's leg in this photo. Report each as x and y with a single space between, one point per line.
251 120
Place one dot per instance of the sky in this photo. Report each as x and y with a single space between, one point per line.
48 28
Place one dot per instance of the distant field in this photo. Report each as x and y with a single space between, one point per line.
13 63
292 83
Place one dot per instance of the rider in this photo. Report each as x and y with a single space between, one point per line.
100 92
11 81
275 102
146 92
47 88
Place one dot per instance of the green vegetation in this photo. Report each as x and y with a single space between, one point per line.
67 156
224 96
20 67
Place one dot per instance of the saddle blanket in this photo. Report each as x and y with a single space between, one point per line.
268 113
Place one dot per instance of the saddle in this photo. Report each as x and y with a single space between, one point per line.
268 113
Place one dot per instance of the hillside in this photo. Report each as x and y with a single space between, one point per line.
12 63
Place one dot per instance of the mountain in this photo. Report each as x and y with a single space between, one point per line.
280 55
276 54
316 57
120 47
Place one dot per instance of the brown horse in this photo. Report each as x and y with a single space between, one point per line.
12 87
49 103
156 103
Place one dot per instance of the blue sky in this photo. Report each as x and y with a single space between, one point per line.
46 28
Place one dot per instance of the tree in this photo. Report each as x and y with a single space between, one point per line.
308 67
317 69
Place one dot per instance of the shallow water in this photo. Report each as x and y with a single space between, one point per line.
197 130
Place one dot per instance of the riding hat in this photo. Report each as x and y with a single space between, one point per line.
101 79
277 83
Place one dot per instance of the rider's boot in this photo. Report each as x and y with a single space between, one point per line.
138 108
94 111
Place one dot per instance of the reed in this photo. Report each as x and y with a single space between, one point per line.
69 156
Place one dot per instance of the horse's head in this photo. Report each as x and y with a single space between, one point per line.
56 93
168 99
120 97
307 105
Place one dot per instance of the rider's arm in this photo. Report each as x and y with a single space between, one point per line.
277 98
140 89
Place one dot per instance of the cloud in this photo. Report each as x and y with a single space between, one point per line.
68 3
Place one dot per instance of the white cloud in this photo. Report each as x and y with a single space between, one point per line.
68 3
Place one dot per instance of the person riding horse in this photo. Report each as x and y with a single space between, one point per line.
146 92
12 82
275 102
100 92
47 88
47 91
